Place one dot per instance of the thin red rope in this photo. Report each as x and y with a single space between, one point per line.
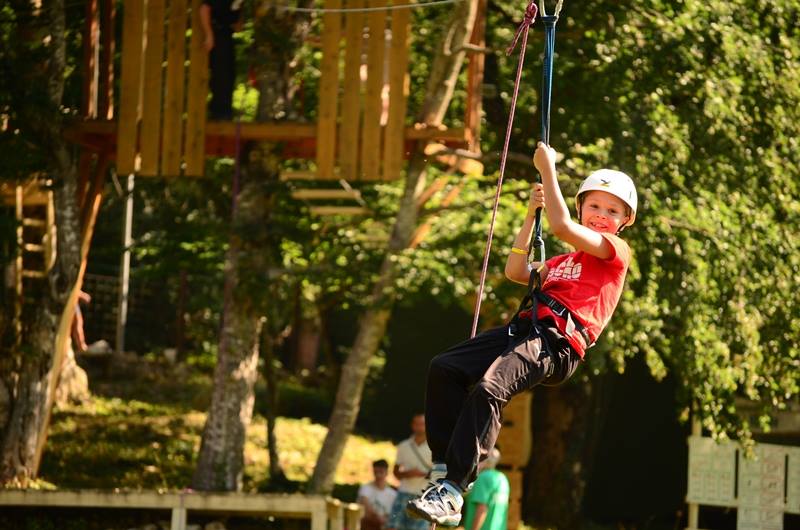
530 16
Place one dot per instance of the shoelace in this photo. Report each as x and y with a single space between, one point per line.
436 496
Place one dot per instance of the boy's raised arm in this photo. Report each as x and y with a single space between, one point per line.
561 224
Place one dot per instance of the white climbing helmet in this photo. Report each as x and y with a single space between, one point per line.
614 182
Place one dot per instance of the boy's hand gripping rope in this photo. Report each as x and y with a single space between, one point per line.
547 78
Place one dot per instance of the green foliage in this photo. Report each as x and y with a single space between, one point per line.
698 100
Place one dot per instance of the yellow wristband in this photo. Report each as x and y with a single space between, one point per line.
516 250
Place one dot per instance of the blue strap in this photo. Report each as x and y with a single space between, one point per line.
547 86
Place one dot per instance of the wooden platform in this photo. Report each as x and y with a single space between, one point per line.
299 140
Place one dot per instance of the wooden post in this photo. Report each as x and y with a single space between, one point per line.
125 268
335 514
91 48
50 234
106 97
694 509
353 513
178 519
472 120
18 263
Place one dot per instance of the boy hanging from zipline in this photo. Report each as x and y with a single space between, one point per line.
570 300
470 383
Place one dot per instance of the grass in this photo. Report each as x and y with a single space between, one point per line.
149 439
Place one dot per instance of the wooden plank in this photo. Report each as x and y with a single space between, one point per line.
298 175
325 194
284 505
272 131
91 41
472 118
393 143
433 133
19 212
33 247
328 91
153 87
373 102
50 234
349 132
262 131
338 210
130 86
195 149
30 221
172 130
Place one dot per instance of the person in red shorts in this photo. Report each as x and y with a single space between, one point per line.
469 384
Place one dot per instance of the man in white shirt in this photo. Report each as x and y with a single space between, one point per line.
411 467
377 498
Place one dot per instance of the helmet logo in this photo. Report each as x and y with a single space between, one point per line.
605 183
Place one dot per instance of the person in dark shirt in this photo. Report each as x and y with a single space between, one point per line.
220 18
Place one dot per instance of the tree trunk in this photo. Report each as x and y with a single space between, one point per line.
566 425
32 374
276 473
278 36
373 322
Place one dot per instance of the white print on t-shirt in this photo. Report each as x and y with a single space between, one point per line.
566 270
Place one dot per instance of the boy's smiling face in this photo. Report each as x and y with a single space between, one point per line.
603 212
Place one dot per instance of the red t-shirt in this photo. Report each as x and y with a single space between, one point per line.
588 286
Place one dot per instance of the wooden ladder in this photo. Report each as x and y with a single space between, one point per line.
36 234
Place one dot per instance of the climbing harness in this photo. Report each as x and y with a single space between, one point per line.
547 83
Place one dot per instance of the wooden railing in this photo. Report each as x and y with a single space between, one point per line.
323 513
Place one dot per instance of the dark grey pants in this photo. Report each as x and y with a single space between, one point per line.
470 383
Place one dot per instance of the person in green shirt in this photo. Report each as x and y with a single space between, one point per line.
487 503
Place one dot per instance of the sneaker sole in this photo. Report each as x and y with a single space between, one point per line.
449 520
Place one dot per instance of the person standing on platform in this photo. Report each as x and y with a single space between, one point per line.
220 19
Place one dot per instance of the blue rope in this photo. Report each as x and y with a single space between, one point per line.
547 86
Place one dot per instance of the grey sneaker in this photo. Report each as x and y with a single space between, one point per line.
441 504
